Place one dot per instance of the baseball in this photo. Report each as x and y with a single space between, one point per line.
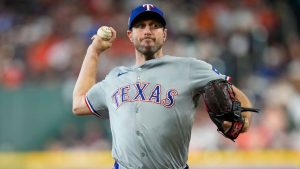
105 33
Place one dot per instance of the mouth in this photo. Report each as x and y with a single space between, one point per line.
148 39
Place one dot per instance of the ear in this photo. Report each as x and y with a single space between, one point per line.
165 34
129 35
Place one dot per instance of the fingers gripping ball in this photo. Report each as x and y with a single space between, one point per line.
105 33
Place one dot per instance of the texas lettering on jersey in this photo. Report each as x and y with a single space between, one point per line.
121 95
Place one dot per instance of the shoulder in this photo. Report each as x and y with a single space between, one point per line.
185 60
178 59
115 71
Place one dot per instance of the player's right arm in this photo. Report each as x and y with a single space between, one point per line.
88 72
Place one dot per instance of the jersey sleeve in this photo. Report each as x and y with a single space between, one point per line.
96 101
200 73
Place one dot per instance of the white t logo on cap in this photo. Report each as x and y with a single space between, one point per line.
148 6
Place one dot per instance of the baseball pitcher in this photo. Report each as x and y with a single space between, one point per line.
151 105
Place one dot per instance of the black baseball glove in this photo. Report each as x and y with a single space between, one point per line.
222 105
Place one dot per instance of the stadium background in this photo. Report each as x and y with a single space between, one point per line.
42 45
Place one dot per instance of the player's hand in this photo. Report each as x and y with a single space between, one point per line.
226 125
99 44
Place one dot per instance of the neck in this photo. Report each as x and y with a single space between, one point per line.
141 58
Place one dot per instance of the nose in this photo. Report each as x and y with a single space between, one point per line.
147 30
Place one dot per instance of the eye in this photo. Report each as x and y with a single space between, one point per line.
139 25
156 25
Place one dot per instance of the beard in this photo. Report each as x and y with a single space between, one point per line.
148 51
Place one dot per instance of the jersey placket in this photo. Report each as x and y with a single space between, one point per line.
139 132
139 71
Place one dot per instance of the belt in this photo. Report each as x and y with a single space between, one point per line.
117 166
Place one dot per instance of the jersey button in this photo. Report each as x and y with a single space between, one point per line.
143 154
138 133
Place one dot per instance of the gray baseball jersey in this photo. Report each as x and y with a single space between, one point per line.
151 110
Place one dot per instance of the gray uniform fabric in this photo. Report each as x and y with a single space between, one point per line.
151 110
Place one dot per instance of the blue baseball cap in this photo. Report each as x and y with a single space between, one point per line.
148 11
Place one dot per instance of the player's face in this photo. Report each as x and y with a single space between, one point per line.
147 37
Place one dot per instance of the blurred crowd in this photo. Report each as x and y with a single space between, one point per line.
256 42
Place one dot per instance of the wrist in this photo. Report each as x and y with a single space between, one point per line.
93 50
246 125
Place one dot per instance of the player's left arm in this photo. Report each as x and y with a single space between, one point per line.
245 102
228 107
